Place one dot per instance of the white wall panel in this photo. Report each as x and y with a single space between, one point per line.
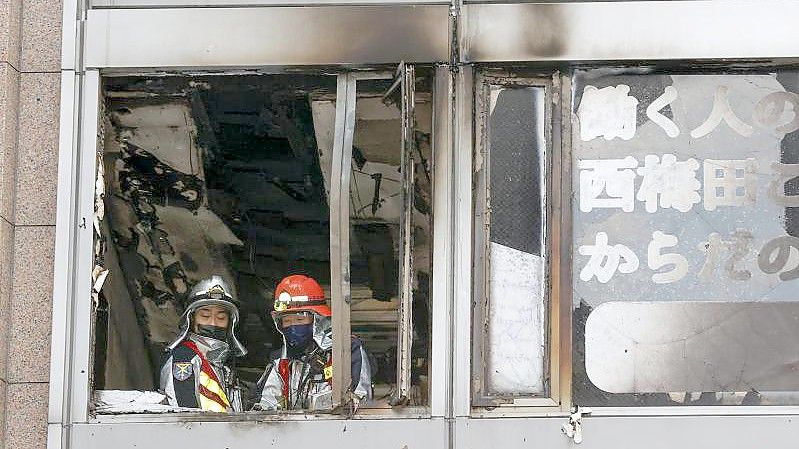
242 37
630 30
350 434
711 432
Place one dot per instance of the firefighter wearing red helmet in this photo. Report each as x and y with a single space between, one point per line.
301 377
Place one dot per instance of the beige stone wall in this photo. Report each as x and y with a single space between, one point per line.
30 47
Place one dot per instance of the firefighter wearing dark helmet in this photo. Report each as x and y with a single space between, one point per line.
301 377
197 373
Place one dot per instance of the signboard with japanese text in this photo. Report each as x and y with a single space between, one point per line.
685 191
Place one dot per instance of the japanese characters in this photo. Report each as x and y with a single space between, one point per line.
686 179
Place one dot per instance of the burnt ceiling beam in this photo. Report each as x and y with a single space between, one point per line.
206 133
286 171
296 136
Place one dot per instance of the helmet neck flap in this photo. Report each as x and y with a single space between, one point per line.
298 293
215 351
322 330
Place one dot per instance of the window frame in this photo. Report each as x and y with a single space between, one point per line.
71 364
71 368
557 355
340 230
562 143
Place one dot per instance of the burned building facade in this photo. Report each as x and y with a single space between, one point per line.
548 223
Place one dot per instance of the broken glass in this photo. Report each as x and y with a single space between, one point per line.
376 239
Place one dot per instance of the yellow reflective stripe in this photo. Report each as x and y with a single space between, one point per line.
211 405
213 386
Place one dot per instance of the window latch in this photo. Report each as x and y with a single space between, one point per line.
574 428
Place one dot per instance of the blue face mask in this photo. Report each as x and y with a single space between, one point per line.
298 336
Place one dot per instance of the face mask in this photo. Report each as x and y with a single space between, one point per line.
215 332
298 336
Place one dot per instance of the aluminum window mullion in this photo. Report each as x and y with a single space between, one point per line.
405 81
481 243
66 225
462 235
340 240
407 164
441 350
562 227
79 360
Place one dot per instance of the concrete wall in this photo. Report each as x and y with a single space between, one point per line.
30 47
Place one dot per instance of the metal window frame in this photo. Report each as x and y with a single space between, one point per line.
71 368
72 349
488 78
406 73
340 231
442 337
560 274
153 4
88 83
405 80
462 222
562 143
344 132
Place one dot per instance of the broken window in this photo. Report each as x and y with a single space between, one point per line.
390 231
232 176
685 238
512 331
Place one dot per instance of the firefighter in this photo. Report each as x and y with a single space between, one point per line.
198 373
301 377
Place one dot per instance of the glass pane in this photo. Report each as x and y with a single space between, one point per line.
517 328
376 212
207 176
686 241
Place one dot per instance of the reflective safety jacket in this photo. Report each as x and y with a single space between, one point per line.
305 383
189 380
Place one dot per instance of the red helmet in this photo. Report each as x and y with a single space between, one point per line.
297 293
